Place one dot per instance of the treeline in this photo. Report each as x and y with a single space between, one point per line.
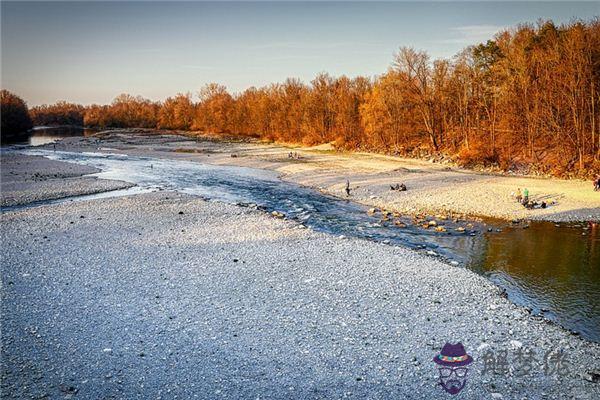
14 115
528 99
61 113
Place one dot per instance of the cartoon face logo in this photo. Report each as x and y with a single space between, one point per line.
452 362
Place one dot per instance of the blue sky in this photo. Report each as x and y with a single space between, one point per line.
89 52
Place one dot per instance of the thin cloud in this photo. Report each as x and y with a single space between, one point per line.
472 34
193 66
311 46
151 50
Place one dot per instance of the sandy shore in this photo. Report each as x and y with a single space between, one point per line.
432 188
25 179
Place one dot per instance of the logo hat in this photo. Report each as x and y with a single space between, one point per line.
453 355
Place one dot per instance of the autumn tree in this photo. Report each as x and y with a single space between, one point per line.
527 99
60 113
176 112
133 111
348 94
415 70
388 116
15 116
214 110
319 117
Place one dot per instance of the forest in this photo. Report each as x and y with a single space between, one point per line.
526 101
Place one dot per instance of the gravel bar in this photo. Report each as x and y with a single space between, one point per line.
28 179
164 295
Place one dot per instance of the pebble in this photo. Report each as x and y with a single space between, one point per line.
592 376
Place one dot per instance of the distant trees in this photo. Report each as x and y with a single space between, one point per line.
61 113
125 111
215 111
133 112
288 111
15 116
528 98
176 113
347 95
419 88
388 118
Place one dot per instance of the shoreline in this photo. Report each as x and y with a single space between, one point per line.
432 188
27 179
199 136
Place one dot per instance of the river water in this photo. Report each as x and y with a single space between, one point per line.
553 270
41 135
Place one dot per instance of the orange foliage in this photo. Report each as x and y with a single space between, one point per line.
14 113
528 98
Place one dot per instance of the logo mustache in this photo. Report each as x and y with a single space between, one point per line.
453 386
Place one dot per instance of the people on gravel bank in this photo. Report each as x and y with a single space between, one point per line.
398 187
523 199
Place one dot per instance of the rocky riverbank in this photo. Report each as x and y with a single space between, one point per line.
27 179
164 295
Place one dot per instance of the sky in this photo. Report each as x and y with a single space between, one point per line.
89 52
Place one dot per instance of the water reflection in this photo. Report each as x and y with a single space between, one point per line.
553 270
41 135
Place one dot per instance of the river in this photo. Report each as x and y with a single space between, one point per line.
41 135
553 269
